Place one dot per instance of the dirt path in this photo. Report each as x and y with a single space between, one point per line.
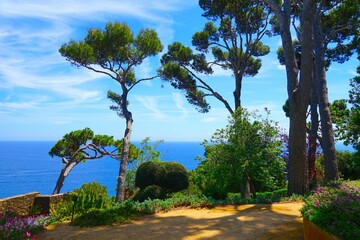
278 221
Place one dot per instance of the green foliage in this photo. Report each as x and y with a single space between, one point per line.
113 48
261 197
98 217
336 208
150 192
171 176
150 173
348 120
176 178
70 143
73 146
147 152
349 165
232 36
244 149
89 196
124 212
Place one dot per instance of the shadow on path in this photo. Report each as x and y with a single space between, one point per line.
262 221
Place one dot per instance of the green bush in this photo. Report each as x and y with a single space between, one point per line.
89 196
349 165
63 209
150 173
150 192
176 178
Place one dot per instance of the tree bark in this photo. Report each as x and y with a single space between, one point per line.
120 190
330 163
313 136
298 92
245 188
63 174
237 91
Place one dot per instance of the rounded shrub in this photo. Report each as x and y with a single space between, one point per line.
150 173
176 178
150 192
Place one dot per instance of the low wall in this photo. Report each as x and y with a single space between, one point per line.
25 204
21 204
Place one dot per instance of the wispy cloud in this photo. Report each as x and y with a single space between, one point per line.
150 103
179 103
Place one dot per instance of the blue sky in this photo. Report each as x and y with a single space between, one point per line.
42 96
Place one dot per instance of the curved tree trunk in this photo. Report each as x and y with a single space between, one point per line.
63 174
330 163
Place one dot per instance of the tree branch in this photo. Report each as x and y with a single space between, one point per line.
141 80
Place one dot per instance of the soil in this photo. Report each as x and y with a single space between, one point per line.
260 221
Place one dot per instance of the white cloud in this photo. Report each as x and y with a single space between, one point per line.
90 9
150 103
179 103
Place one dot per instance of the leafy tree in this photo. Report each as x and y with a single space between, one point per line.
82 145
244 155
114 52
348 120
233 37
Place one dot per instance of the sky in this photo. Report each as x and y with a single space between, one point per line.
43 97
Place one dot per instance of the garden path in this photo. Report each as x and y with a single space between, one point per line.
260 221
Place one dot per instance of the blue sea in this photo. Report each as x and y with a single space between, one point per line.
26 166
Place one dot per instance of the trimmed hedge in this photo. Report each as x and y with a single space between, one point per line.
170 176
150 173
177 177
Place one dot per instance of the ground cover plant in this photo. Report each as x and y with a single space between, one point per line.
123 212
15 227
335 207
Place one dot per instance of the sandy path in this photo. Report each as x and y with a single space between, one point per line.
262 221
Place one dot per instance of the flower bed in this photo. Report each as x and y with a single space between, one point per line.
15 227
335 208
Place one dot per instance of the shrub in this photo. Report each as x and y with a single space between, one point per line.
149 173
349 165
89 196
127 210
150 192
335 208
176 178
63 209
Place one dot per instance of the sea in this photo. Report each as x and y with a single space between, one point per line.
25 166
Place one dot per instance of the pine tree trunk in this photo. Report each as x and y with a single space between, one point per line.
245 188
312 136
298 170
330 163
120 190
63 174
